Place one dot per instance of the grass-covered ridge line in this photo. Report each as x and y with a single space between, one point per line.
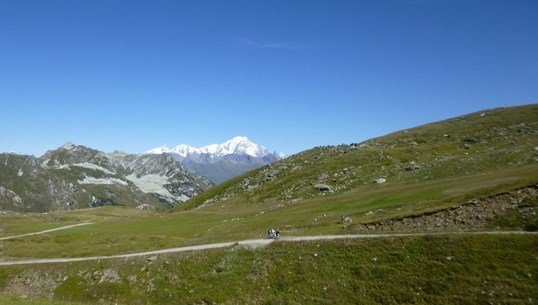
476 143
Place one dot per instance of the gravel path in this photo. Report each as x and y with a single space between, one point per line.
253 243
47 231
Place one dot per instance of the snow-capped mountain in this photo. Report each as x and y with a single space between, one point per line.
236 146
220 162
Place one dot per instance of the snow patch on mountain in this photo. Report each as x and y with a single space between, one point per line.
153 184
94 167
159 150
93 180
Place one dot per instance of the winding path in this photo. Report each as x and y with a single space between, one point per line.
253 243
47 231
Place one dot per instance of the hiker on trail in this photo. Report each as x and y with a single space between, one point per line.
273 234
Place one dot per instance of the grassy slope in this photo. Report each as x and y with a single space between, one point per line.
485 267
425 270
506 138
13 299
20 223
120 230
492 165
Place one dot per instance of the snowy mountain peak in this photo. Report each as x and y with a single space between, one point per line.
220 162
236 146
159 150
183 150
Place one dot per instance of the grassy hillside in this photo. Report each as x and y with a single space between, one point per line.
122 230
448 175
423 270
477 143
473 173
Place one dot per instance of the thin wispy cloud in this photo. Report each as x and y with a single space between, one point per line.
243 42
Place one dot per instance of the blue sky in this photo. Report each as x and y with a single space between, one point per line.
290 75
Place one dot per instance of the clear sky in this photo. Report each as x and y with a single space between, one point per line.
290 75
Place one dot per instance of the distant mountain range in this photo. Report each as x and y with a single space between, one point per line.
220 162
75 176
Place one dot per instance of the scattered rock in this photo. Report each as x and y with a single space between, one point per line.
412 143
411 166
470 140
322 187
346 219
272 173
145 206
323 177
132 278
109 275
380 180
374 211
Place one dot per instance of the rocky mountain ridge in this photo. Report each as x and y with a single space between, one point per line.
75 176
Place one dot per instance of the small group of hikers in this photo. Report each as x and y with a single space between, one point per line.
273 234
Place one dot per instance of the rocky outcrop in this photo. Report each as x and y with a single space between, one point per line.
474 214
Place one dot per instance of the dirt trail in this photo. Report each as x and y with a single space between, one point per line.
253 243
47 231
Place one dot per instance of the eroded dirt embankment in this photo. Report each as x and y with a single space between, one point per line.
475 214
